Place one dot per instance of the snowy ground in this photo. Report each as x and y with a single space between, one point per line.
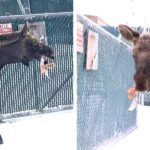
53 131
139 138
57 131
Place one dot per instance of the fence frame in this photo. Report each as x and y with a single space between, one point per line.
28 17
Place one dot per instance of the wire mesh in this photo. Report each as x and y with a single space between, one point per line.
102 94
9 7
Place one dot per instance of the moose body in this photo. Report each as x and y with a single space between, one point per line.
141 54
22 47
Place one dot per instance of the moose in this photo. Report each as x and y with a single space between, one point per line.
22 46
141 54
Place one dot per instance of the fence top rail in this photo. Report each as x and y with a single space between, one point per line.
93 24
27 17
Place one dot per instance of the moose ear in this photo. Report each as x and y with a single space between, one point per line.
129 34
25 29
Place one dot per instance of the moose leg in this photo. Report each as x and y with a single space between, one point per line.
1 140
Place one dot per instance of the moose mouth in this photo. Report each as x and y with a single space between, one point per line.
47 61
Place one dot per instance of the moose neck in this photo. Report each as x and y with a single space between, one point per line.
10 53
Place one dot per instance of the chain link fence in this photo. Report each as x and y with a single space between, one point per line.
23 89
102 94
18 7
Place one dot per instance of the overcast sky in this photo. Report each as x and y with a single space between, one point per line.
114 12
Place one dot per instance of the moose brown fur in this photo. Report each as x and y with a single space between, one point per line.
23 47
141 54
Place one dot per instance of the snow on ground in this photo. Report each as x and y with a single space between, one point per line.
57 131
53 131
139 138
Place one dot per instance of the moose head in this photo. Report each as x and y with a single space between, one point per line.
141 54
22 46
